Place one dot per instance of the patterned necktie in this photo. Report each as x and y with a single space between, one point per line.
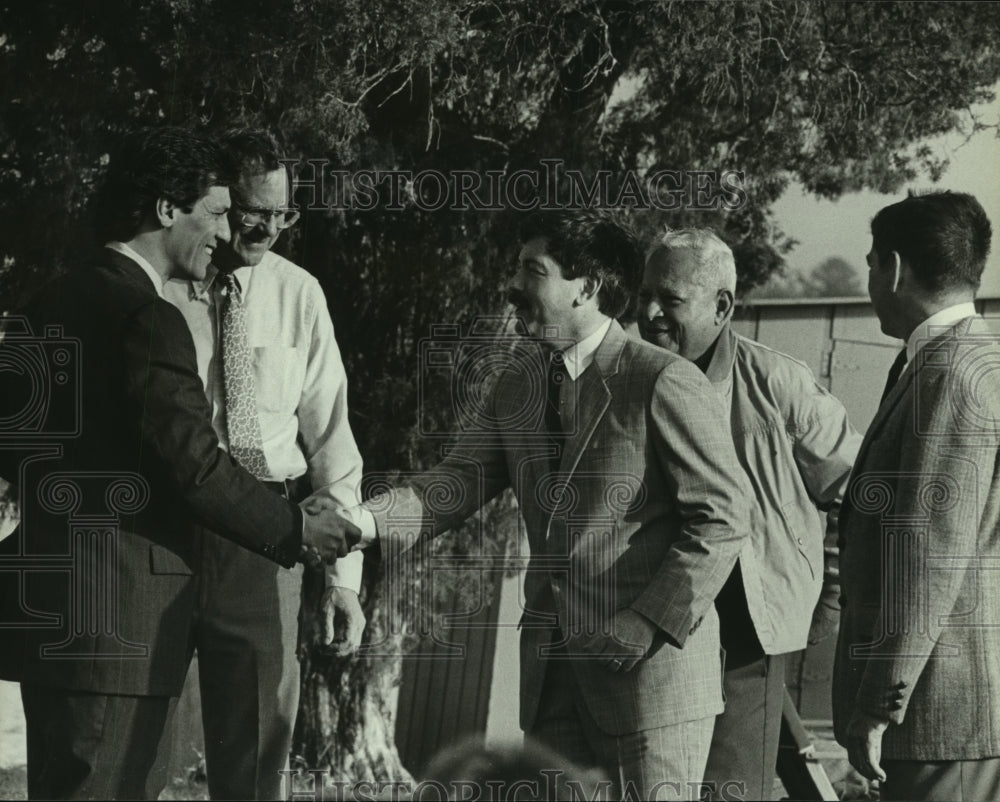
894 373
246 444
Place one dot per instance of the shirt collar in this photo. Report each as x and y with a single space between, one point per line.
147 268
577 357
937 324
199 289
720 367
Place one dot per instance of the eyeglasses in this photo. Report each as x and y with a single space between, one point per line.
283 218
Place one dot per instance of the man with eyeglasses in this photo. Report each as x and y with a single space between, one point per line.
273 374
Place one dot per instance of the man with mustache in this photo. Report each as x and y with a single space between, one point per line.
245 627
634 507
796 446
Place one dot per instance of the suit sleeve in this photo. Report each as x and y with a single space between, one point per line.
473 473
947 493
691 437
168 400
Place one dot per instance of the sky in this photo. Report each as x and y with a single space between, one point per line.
842 228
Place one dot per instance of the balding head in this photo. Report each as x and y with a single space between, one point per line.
688 288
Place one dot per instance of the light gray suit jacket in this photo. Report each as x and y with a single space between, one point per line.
919 638
647 510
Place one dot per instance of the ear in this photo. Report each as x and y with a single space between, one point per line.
166 212
724 306
896 266
588 289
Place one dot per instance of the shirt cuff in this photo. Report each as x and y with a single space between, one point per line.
362 518
346 572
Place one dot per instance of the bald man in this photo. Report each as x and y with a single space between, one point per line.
797 448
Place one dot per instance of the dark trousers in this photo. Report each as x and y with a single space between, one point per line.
85 745
955 780
744 751
246 634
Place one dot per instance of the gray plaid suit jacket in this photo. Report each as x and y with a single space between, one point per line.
647 510
919 638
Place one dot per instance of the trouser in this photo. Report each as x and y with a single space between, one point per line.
84 745
246 635
744 751
659 763
956 780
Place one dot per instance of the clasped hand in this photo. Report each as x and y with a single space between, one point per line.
326 535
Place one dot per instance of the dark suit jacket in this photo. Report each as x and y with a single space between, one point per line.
647 510
919 638
103 582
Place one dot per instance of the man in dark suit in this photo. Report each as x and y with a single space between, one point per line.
634 506
105 582
918 656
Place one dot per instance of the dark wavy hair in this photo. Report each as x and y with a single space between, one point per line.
945 237
152 163
593 245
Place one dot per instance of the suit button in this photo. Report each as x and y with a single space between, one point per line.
799 540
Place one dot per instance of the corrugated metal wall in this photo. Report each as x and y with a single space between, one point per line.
444 696
847 351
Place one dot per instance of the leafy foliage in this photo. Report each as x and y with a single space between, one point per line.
837 95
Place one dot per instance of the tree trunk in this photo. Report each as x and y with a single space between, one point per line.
347 709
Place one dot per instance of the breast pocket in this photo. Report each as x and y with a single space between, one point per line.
279 371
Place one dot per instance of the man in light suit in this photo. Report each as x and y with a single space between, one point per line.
634 506
105 574
918 657
797 448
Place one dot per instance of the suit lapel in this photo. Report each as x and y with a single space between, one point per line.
594 396
892 401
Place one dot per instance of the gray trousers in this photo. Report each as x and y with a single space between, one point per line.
741 762
660 763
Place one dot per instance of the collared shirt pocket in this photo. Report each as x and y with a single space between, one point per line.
279 371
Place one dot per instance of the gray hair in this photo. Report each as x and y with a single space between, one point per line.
716 265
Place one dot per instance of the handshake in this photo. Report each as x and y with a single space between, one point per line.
326 533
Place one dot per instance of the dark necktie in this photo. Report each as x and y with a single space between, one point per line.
242 424
557 376
894 373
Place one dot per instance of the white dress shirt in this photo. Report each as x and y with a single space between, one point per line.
937 324
299 379
579 356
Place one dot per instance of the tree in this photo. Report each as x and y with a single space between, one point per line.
837 95
834 277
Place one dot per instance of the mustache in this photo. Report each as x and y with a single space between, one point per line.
517 298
